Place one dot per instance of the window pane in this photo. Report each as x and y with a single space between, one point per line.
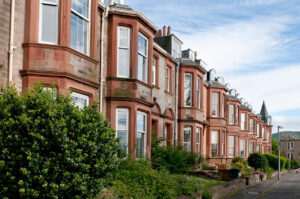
215 143
123 139
231 114
154 72
188 90
123 37
231 146
140 143
80 102
243 119
215 104
123 62
243 146
187 138
122 119
142 45
49 23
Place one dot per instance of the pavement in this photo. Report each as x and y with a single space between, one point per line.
287 188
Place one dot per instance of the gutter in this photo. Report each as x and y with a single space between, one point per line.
101 80
11 42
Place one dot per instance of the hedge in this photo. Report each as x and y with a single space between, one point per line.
273 161
49 148
295 164
258 161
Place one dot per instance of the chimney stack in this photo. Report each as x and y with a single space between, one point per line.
164 31
159 33
169 31
196 55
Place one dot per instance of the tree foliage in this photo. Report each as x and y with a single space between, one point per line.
258 161
274 146
49 148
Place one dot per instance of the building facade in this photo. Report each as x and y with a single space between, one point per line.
290 147
146 85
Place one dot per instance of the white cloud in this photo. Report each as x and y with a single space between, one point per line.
239 44
289 124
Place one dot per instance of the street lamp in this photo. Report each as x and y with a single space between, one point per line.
279 127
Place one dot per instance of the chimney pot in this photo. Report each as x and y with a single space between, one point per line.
169 30
164 31
196 55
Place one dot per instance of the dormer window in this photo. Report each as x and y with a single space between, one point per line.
176 48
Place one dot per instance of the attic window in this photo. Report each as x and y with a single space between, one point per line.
176 48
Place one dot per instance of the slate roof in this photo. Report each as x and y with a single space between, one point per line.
189 62
264 113
232 98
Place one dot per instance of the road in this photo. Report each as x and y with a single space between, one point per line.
287 188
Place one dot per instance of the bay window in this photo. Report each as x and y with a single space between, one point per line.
80 26
142 58
243 121
263 132
214 143
80 100
141 134
167 79
123 60
231 147
198 140
223 142
122 127
251 126
198 92
188 90
231 114
154 71
215 104
48 32
243 148
187 135
257 130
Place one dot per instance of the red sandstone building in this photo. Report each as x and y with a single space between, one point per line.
147 86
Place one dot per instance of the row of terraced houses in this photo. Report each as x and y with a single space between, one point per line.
146 84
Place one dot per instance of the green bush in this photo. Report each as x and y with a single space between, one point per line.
258 161
273 161
287 163
239 159
51 149
174 160
136 179
295 164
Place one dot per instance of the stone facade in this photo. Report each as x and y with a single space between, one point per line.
290 147
178 106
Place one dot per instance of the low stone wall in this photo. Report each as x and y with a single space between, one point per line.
228 188
253 179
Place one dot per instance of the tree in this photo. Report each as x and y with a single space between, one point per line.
274 146
49 148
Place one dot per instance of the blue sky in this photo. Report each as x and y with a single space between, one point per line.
253 44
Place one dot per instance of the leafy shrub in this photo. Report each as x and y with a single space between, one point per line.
287 163
240 159
50 148
174 160
258 161
295 164
273 161
206 194
238 165
136 179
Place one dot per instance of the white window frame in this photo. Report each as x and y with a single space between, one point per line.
82 96
198 141
217 144
231 114
187 143
217 104
154 62
198 87
88 20
127 124
257 130
143 132
123 48
243 121
45 2
145 57
168 78
251 126
191 90
263 132
231 146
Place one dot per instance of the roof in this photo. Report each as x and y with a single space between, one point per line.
216 84
188 62
163 51
126 10
232 98
243 107
264 113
